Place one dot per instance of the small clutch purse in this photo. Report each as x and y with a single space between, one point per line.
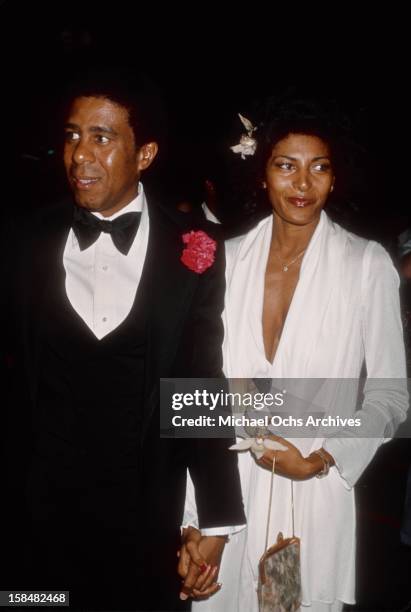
279 581
279 575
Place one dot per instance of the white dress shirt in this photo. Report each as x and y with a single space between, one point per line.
101 282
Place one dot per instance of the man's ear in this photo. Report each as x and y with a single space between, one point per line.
146 155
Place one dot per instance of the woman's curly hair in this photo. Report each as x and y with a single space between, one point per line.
242 201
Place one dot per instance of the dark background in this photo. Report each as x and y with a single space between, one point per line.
212 62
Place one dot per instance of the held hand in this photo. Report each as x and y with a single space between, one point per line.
291 463
190 539
200 558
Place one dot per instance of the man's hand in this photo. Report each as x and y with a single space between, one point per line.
199 563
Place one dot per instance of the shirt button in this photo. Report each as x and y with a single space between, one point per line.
105 268
104 319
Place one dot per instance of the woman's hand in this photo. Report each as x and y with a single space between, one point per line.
291 463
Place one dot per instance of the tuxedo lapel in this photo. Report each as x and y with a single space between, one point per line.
172 286
171 289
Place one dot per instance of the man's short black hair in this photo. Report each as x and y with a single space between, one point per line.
124 85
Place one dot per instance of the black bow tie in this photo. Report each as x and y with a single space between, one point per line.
88 227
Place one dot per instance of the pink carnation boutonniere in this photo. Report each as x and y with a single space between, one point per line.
199 253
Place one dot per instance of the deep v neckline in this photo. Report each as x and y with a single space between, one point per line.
281 334
286 323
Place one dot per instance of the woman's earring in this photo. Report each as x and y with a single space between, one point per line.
264 185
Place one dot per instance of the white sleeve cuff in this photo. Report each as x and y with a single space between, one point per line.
221 531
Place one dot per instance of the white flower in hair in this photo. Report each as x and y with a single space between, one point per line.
258 445
247 144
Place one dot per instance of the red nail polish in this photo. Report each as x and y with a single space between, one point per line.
203 568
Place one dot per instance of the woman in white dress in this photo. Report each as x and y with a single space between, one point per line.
306 299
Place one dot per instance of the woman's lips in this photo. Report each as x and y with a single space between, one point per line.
300 202
84 182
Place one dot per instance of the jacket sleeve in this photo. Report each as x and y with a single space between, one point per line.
212 466
385 400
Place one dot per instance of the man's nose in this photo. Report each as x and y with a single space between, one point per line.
82 153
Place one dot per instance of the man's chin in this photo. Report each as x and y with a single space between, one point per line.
87 204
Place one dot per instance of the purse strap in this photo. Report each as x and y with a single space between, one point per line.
270 504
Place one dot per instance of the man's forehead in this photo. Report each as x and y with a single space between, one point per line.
97 104
98 111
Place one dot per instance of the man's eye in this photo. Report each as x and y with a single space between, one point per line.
72 136
102 139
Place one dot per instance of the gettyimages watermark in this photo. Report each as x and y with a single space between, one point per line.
292 408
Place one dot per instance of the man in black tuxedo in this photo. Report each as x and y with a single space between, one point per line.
103 307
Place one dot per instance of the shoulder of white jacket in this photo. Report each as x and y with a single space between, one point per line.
240 244
356 244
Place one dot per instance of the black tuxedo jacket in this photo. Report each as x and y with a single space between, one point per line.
184 340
